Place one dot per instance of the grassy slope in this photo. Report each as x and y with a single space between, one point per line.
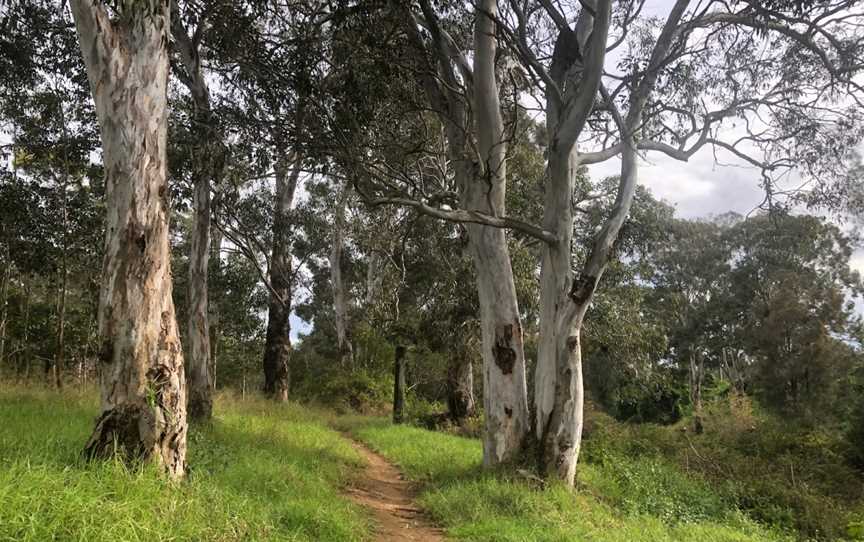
648 501
260 472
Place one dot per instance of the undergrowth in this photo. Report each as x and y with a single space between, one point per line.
258 472
647 500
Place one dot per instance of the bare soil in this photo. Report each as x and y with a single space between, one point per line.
383 490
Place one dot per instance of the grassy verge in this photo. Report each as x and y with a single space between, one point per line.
259 472
642 501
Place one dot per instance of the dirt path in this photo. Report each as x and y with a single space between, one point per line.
390 498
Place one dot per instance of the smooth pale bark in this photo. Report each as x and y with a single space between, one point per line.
505 396
565 298
200 402
374 277
142 379
277 346
476 148
340 304
399 384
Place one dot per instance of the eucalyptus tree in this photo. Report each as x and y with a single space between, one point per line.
188 29
125 50
675 84
636 113
272 73
401 151
802 346
690 274
340 301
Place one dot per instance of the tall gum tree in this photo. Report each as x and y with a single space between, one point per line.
207 172
340 295
125 49
678 85
638 114
477 149
277 349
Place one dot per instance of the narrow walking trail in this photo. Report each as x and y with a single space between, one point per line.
390 498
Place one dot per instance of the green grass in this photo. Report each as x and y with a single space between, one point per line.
259 472
633 501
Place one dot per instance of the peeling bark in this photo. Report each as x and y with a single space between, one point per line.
142 378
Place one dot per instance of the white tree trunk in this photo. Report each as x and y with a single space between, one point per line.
564 300
559 388
142 379
505 396
482 186
340 303
558 385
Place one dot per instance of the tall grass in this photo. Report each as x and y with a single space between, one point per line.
258 472
647 501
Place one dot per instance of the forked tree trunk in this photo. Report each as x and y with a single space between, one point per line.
399 384
340 302
277 347
142 380
565 298
559 387
208 170
505 396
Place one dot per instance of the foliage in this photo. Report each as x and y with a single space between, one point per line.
795 479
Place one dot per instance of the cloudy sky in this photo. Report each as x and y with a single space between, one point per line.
697 188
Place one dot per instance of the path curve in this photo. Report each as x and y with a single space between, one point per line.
383 490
